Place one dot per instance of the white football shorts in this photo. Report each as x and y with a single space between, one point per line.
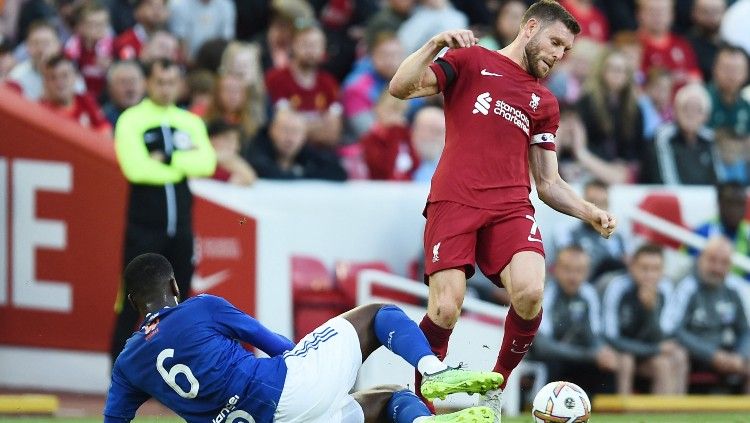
321 370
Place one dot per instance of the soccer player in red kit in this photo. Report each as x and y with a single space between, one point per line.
500 121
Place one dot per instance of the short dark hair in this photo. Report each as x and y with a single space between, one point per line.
57 60
573 248
725 188
39 25
163 63
147 275
649 248
550 11
88 8
221 126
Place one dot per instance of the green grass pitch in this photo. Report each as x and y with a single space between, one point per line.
595 418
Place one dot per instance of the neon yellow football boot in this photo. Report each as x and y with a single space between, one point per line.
455 379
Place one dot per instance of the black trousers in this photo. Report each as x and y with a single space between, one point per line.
141 239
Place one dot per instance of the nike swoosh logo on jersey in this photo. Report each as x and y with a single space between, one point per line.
203 284
486 73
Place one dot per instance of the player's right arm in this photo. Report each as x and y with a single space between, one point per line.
123 400
414 78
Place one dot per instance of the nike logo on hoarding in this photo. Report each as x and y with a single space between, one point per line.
203 284
486 73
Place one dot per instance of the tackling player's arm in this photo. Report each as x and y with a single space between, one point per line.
237 325
414 78
123 400
556 193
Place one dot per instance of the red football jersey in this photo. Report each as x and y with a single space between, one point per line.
83 110
128 45
673 53
494 112
281 85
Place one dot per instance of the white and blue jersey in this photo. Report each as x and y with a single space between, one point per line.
190 359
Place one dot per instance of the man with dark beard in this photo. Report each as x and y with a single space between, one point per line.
500 121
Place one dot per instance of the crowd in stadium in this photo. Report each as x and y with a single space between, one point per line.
655 91
648 81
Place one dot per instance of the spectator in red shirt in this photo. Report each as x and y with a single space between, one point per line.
59 96
387 149
230 166
150 16
91 46
309 89
662 48
593 22
243 60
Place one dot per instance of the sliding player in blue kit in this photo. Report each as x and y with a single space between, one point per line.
188 356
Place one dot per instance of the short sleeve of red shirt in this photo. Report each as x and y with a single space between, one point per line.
545 129
448 67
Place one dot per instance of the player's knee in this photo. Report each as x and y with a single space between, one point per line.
447 312
528 300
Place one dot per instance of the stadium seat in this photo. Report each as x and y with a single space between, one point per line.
315 296
346 278
666 206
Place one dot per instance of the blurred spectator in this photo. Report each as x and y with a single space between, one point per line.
605 255
122 14
209 55
609 109
60 96
507 24
570 340
428 139
150 16
230 166
159 146
126 87
429 18
635 306
684 152
370 77
387 149
344 24
7 61
201 86
309 89
196 21
729 109
566 81
91 46
389 18
593 22
628 43
656 101
284 153
243 60
276 43
731 222
231 103
704 34
9 20
661 48
160 46
32 11
733 151
620 14
479 12
713 324
734 25
42 44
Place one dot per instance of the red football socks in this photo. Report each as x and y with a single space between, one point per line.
517 339
438 338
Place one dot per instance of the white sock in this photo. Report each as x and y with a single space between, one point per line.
430 364
421 419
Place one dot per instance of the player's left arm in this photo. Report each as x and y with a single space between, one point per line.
556 193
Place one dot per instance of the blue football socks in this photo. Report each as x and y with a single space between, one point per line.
405 407
401 335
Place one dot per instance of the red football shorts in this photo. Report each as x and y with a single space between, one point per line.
458 236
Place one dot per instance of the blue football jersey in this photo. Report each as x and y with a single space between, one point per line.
190 359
